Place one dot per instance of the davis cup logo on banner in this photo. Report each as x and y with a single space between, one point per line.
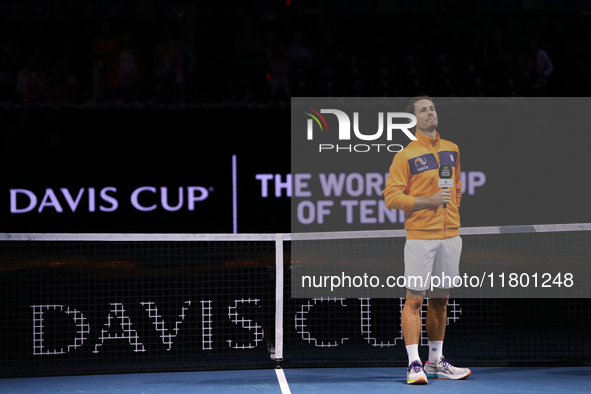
344 130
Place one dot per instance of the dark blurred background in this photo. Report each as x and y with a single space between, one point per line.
258 51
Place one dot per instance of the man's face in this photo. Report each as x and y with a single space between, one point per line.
426 115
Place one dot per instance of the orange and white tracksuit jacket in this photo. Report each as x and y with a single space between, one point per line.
415 173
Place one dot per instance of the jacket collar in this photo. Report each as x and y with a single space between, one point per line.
428 142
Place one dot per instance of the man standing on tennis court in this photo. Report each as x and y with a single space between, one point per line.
433 245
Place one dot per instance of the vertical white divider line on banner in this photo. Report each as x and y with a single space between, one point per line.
234 198
278 297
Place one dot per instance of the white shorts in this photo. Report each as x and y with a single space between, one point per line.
426 258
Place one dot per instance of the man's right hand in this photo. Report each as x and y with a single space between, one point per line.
441 197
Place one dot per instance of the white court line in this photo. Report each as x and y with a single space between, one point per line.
282 381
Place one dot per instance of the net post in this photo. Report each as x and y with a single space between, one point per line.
278 297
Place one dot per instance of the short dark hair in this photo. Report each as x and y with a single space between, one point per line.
411 103
410 108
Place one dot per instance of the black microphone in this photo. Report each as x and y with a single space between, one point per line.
445 180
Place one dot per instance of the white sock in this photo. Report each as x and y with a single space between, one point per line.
435 351
413 353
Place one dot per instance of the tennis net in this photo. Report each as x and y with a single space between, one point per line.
108 303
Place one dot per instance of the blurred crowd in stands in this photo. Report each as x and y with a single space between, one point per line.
260 60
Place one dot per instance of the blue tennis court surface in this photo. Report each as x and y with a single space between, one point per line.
318 380
483 380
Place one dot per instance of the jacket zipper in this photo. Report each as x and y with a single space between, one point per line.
444 210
